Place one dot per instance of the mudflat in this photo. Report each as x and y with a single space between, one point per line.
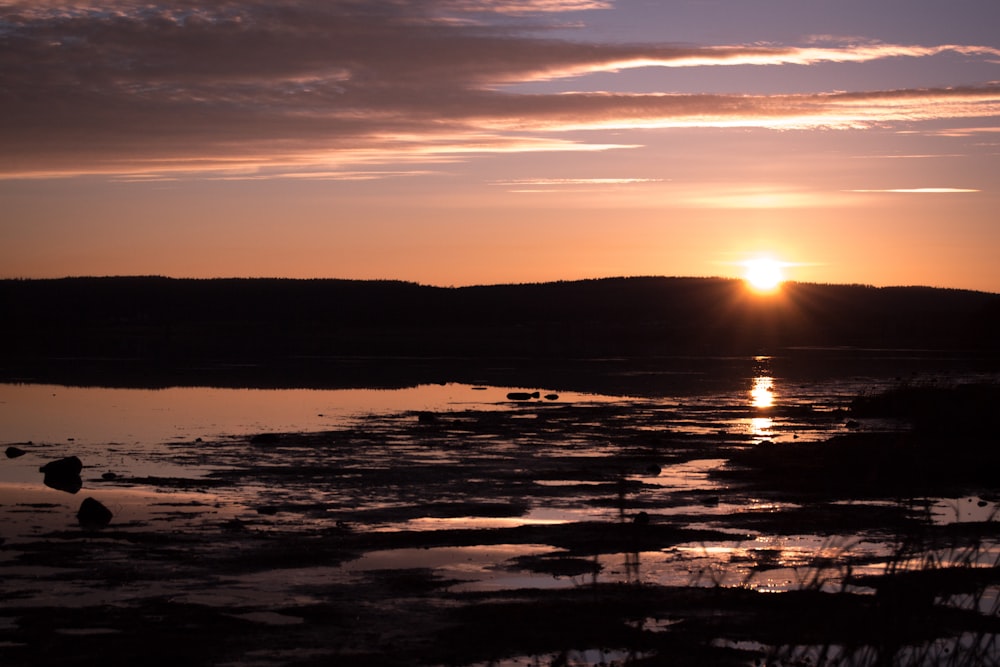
621 532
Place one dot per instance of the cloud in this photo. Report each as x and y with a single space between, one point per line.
347 85
754 55
525 6
536 185
922 191
576 181
965 131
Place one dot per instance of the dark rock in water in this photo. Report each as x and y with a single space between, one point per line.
108 476
93 515
63 474
13 452
265 439
67 483
558 567
852 423
552 397
427 418
522 395
71 465
653 470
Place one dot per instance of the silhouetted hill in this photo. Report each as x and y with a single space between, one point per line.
243 320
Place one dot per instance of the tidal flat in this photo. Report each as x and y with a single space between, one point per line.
772 518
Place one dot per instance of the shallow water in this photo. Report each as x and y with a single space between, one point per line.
432 496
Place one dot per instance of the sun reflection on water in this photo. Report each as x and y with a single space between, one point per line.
762 392
762 398
762 427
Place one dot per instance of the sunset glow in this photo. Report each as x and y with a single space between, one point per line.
764 274
458 143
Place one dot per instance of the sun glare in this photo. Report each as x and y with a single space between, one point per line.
763 274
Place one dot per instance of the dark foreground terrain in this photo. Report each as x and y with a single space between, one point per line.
625 532
550 533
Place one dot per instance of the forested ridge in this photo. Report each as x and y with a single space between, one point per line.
168 319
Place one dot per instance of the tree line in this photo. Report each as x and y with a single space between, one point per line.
167 319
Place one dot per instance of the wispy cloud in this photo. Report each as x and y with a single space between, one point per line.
756 55
922 191
346 86
563 185
965 131
576 181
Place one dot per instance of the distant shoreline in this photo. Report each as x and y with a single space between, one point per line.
178 325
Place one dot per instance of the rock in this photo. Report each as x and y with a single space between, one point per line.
13 452
93 515
265 439
552 397
427 418
63 474
71 465
108 476
522 395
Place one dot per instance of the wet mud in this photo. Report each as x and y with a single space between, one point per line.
625 532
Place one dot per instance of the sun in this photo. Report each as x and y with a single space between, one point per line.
764 274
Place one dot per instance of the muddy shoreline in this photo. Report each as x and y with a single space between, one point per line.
548 532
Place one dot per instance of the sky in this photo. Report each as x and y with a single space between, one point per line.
459 142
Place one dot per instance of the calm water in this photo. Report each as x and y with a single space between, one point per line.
142 417
106 425
158 433
132 430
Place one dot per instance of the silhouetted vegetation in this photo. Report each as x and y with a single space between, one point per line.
169 320
934 408
947 442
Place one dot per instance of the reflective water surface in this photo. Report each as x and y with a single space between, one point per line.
453 481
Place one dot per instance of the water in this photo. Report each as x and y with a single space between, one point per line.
482 493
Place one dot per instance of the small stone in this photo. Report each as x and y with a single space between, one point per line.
13 452
63 474
93 515
70 465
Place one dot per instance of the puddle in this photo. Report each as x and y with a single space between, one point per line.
959 510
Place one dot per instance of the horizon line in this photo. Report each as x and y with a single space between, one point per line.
475 285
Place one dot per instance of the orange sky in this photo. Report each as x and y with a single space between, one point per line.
457 142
